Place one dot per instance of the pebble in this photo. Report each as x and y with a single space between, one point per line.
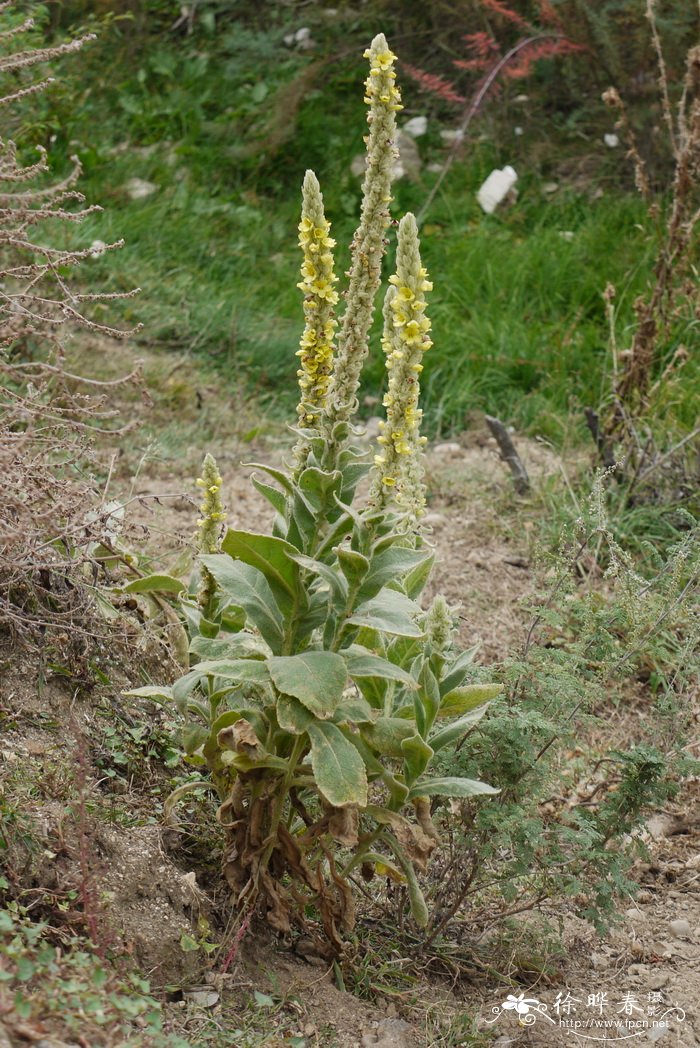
634 914
679 928
638 969
659 980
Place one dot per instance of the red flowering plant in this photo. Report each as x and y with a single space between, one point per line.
493 53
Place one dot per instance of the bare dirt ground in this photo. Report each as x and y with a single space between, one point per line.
647 971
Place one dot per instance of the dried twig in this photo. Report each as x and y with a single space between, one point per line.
509 455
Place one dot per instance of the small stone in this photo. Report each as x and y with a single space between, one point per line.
680 928
435 168
599 961
638 969
635 914
658 980
139 188
661 949
201 998
611 141
550 187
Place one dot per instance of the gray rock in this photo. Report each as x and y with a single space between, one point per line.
680 928
658 980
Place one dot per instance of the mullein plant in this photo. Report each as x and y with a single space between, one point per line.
320 690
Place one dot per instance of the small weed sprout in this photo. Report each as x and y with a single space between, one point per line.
320 692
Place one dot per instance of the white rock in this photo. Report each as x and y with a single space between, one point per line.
518 131
680 928
566 234
435 168
550 187
611 141
635 914
496 188
302 34
416 126
448 448
139 188
521 98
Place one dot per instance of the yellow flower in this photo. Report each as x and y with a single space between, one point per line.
318 278
398 477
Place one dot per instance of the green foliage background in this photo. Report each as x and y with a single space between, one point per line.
224 117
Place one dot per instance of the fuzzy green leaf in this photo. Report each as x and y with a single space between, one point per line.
391 565
248 670
450 786
231 645
389 612
458 670
316 678
337 766
271 557
292 715
417 754
387 734
363 664
461 700
455 731
245 587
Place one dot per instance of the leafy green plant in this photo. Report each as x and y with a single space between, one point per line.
320 690
566 822
74 992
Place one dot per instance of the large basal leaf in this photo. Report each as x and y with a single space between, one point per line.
316 678
391 565
157 693
462 700
337 766
270 556
451 787
245 587
389 612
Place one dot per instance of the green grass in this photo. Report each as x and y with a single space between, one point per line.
519 325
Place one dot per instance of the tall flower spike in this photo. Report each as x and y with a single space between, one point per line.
317 282
397 475
211 508
209 525
367 247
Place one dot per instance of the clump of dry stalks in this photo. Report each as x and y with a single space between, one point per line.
50 506
641 372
